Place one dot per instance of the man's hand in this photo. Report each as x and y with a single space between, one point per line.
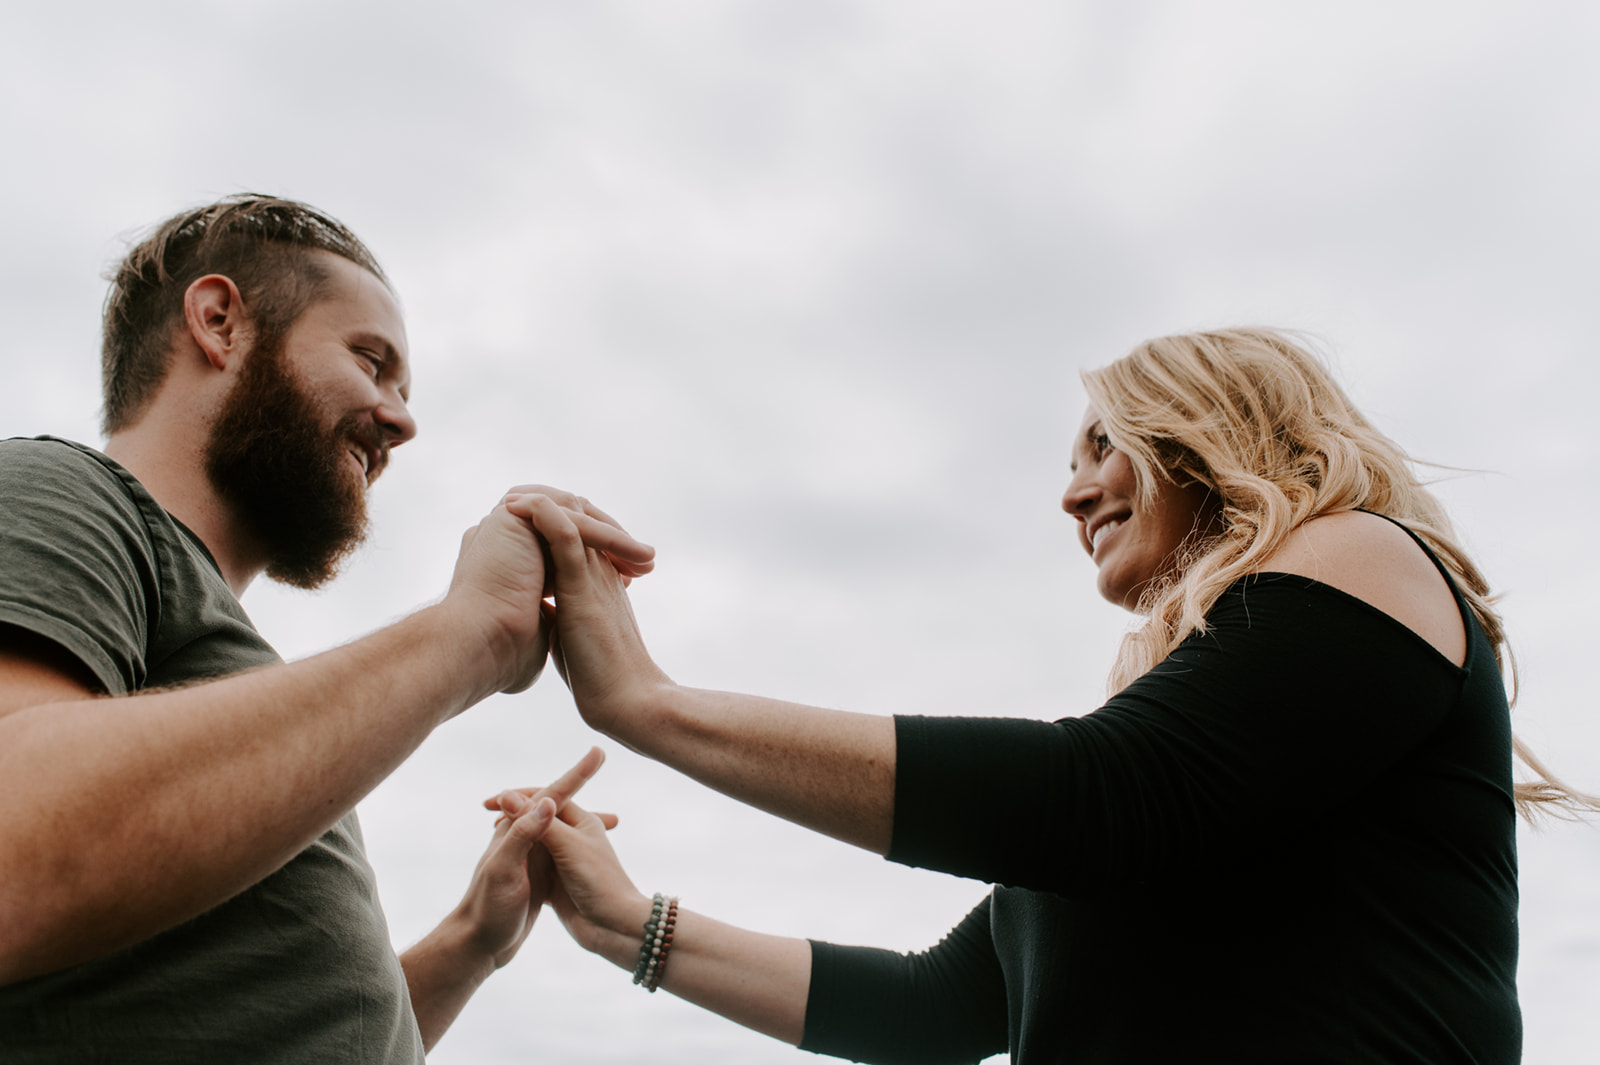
496 588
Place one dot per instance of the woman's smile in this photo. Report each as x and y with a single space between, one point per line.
1133 544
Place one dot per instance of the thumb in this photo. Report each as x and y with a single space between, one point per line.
530 820
560 839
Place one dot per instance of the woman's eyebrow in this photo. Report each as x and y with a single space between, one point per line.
1095 428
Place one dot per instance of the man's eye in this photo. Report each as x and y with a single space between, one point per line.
374 364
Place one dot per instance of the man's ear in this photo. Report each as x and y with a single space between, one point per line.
214 312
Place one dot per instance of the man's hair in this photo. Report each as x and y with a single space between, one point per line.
261 243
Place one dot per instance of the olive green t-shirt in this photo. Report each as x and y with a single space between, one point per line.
297 968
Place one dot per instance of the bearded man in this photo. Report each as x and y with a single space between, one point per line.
181 870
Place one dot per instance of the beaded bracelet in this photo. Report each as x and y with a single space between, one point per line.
657 942
649 937
663 943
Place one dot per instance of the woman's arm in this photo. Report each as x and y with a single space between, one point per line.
828 770
1295 689
944 1005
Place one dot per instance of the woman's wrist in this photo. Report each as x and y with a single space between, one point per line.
656 947
618 933
638 716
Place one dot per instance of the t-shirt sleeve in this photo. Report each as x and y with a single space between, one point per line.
76 562
1295 699
944 1005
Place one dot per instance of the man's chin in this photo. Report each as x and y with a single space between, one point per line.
330 527
311 573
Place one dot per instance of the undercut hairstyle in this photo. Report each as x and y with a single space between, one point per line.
262 243
1254 416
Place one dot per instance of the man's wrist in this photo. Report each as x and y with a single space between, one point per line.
455 947
442 973
484 654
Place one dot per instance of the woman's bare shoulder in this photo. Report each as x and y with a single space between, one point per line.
1376 561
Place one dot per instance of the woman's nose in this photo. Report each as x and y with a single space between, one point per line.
1080 496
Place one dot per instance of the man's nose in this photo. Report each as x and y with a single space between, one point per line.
394 417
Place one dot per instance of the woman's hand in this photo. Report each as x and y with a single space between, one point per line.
584 882
598 530
597 646
759 981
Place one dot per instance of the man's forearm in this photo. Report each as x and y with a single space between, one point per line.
442 974
122 817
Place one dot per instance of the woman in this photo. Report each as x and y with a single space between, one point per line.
1288 835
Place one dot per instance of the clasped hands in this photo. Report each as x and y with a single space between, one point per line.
545 848
539 543
593 637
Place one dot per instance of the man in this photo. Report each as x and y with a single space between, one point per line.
181 871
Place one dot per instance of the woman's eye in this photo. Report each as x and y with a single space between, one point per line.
1101 443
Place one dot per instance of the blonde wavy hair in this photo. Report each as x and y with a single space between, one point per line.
1256 418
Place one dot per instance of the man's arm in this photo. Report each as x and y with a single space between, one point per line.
122 817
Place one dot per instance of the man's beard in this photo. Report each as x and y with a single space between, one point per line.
286 477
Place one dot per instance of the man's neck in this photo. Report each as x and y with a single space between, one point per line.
172 469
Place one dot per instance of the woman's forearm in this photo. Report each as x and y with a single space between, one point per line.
828 770
757 980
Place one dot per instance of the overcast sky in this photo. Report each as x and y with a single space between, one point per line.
800 291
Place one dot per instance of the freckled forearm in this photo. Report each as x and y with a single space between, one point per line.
828 770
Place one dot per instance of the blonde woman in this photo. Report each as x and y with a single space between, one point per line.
1288 835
